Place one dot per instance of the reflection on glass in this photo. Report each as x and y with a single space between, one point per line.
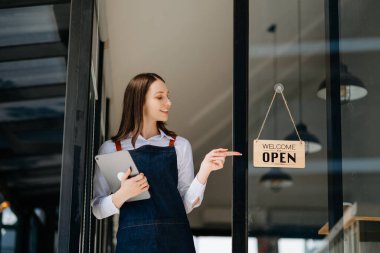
28 25
32 72
276 180
351 88
9 218
8 240
33 109
360 51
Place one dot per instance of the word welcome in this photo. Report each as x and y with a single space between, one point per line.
279 146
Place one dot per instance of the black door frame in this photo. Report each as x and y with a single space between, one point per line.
75 150
240 127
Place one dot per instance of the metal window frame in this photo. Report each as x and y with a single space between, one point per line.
240 126
333 112
75 125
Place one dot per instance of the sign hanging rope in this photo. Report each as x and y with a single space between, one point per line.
278 88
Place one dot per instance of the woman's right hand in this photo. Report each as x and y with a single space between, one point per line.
130 187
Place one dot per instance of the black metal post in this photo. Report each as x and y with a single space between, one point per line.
75 125
23 231
333 105
49 229
96 144
1 225
240 127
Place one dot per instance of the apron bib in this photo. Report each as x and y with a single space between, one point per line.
158 224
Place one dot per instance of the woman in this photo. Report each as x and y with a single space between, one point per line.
165 162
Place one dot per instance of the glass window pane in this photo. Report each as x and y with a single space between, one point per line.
32 72
360 52
28 25
287 45
8 240
33 109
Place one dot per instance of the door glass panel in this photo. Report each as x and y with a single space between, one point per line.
29 25
360 54
287 45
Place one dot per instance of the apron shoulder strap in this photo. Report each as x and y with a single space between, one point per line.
118 145
171 143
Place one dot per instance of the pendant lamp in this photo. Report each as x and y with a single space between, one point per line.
312 144
351 87
275 179
3 203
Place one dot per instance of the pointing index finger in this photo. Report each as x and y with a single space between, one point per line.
218 150
223 152
233 153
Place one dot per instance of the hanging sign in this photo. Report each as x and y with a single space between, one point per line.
278 153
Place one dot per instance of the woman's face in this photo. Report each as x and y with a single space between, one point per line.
157 103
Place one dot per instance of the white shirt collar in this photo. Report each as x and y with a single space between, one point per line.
160 136
163 134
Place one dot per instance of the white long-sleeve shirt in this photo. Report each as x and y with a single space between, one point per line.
190 189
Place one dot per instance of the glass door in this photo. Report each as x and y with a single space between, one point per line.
287 207
360 58
325 54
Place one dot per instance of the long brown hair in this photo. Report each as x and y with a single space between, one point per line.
134 100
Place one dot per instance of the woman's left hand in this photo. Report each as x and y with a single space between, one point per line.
215 159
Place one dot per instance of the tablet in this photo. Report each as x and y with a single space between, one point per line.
111 166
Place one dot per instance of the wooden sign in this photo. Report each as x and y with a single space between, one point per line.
278 153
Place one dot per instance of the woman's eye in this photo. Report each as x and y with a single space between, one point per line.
159 97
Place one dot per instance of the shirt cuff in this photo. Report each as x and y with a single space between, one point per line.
109 205
198 183
195 193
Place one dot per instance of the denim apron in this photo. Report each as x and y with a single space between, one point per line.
158 224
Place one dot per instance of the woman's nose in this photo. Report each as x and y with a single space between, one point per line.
168 102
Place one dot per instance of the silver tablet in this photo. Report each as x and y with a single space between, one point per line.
112 165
